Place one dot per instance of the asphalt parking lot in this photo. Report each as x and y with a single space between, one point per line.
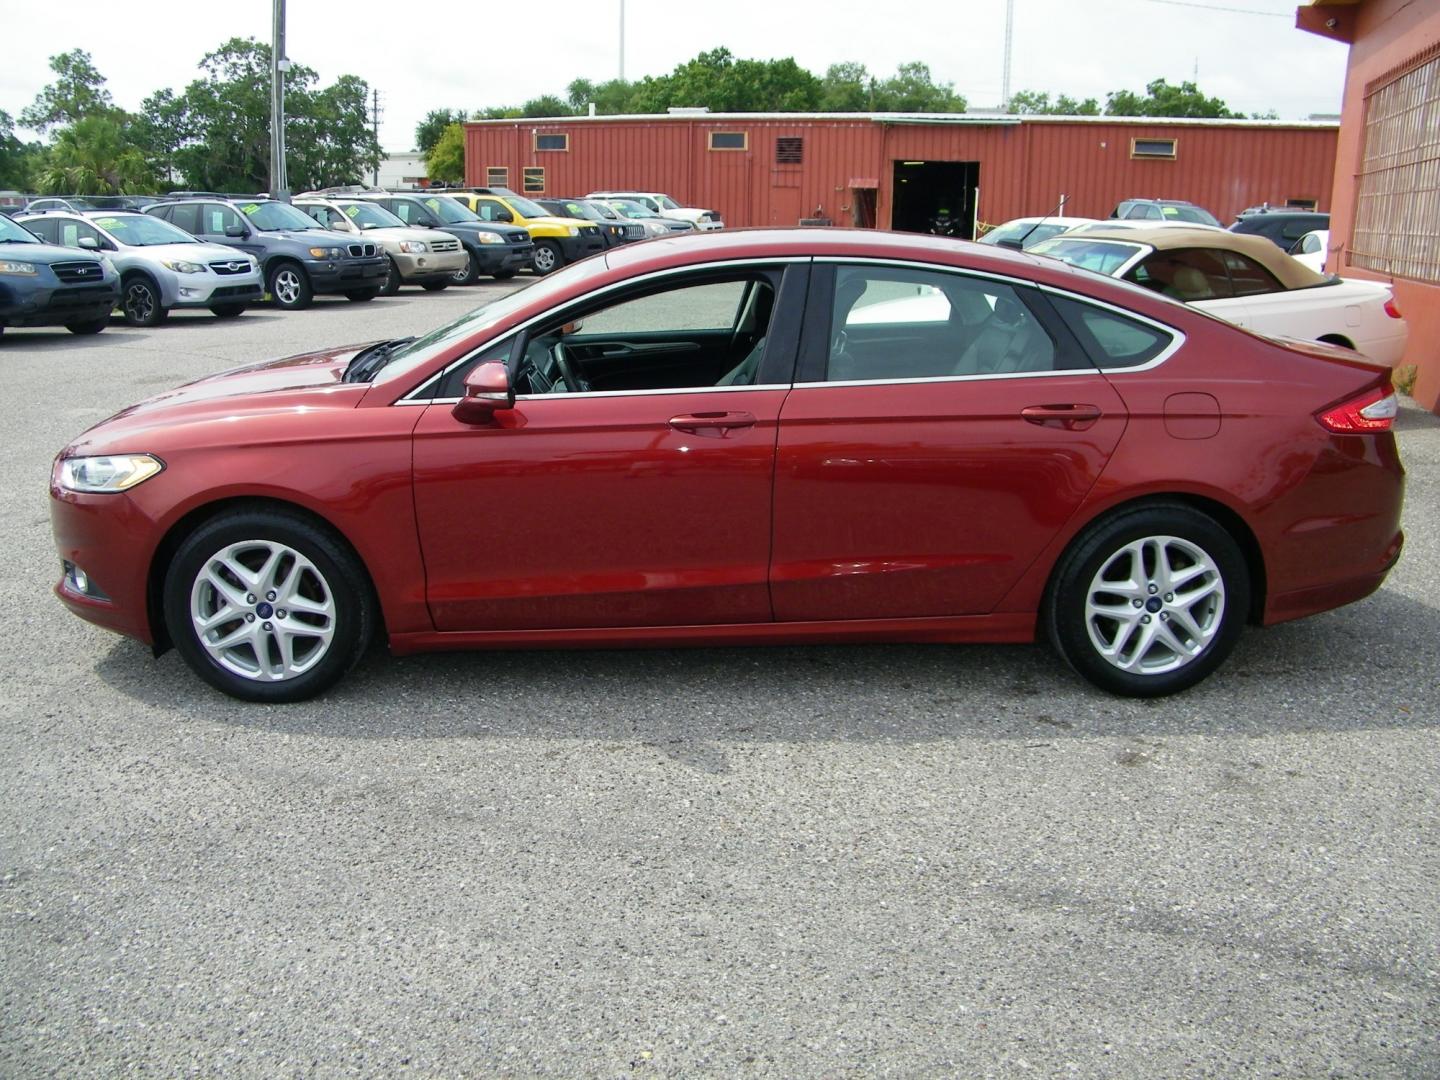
847 861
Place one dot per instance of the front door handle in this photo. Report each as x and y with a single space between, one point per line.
716 425
1069 417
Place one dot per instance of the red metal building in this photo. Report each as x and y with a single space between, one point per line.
1386 220
895 170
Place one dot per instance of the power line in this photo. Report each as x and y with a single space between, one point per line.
1232 10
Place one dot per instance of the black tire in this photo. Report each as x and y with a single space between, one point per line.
228 311
140 302
333 572
470 274
392 279
92 327
1191 542
435 286
362 295
547 258
289 286
503 275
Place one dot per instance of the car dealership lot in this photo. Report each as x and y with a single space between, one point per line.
800 861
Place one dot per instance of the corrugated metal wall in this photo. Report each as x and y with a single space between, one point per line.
1024 167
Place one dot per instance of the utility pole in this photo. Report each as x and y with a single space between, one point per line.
622 40
375 124
1009 37
279 65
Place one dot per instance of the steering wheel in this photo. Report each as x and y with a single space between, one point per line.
573 383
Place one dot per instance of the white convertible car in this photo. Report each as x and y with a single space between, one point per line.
1245 280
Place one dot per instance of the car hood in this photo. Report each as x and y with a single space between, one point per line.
188 252
398 233
317 237
307 382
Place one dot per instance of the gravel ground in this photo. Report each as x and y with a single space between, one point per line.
850 861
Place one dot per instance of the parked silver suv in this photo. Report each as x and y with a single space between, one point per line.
160 266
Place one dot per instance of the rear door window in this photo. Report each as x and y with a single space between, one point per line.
185 216
1111 339
1249 278
1186 274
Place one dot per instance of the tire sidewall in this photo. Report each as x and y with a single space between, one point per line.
304 295
354 604
392 280
157 313
470 274
552 255
1064 611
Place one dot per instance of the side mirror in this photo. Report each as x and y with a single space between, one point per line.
487 388
89 243
504 215
236 230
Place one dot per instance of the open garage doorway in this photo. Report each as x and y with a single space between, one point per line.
923 188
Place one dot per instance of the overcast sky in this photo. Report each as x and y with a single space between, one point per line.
474 54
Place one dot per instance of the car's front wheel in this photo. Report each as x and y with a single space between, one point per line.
289 287
360 296
267 606
1149 601
140 302
392 279
227 311
547 257
469 274
92 327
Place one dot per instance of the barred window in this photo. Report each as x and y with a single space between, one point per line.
532 178
497 176
1397 206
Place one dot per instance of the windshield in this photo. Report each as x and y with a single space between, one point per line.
274 216
448 210
630 209
526 207
370 216
577 210
1029 231
141 230
1189 213
602 210
1102 256
12 233
667 203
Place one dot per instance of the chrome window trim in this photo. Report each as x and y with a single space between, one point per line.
1177 336
410 398
617 393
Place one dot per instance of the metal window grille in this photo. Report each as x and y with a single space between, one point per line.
1397 196
532 178
789 150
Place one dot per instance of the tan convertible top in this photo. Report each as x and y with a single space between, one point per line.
1290 273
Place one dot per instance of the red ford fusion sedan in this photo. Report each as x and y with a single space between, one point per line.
747 437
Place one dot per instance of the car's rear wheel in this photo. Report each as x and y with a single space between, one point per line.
392 279
92 327
140 302
266 606
289 287
1149 601
469 274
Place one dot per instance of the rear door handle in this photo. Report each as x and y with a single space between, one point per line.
716 425
1070 417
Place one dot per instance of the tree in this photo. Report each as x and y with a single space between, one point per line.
79 92
95 156
1162 99
16 158
1038 103
429 130
847 87
446 159
546 105
913 89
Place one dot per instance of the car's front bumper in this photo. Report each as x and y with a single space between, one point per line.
111 540
343 275
57 305
430 266
502 258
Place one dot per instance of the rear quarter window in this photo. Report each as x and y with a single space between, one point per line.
1111 339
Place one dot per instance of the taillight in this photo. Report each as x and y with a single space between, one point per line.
1373 410
1393 309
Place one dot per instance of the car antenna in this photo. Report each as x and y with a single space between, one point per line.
1020 244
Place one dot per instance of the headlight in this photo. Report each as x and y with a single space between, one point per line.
574 230
180 266
414 247
490 238
108 474
654 228
325 253
8 267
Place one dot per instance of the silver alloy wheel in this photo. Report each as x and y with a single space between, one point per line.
466 273
286 286
1155 605
544 259
262 610
139 301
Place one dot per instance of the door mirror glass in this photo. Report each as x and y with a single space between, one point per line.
504 215
235 230
89 243
487 388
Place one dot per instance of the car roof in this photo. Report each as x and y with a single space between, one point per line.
1291 274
